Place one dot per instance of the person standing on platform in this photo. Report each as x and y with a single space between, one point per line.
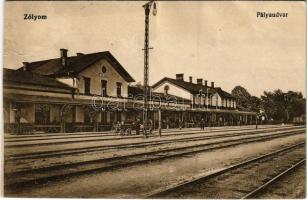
137 127
150 126
180 124
122 128
202 124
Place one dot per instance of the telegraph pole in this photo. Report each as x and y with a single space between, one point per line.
147 8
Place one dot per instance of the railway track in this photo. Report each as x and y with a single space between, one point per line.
290 184
264 186
133 145
11 137
40 175
241 180
20 142
112 136
140 144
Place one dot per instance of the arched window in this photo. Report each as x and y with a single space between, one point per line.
103 69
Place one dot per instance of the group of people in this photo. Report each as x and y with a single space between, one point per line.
122 128
202 124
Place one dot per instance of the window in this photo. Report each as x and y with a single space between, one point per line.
42 114
74 114
103 88
119 89
87 117
103 69
112 120
118 116
104 118
87 85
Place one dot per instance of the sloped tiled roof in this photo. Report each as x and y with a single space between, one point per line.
194 88
136 90
191 87
75 64
26 77
223 93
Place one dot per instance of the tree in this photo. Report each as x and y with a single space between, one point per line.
255 104
283 106
295 105
245 101
276 105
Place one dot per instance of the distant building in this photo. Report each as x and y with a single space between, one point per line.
214 105
200 93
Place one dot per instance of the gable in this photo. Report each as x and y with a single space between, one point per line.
102 70
75 65
192 88
173 90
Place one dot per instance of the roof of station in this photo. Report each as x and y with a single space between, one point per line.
75 65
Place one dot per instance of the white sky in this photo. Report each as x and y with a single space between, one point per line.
222 42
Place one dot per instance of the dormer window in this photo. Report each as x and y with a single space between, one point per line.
166 89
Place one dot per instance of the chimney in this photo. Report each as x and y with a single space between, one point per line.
199 81
80 54
212 84
64 57
25 66
206 83
179 77
191 79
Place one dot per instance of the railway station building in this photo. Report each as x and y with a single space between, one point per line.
91 92
216 106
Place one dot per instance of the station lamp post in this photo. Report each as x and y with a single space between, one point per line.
147 8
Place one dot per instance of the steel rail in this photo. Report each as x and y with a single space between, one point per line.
45 136
274 179
130 145
43 154
199 148
208 175
105 137
123 161
112 133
